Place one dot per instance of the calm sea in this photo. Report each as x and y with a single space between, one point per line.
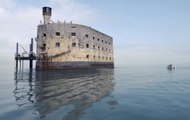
128 93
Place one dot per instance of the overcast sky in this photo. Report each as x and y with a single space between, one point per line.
144 31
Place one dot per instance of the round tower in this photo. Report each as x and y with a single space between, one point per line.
46 12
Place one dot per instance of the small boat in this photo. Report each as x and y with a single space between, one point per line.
171 66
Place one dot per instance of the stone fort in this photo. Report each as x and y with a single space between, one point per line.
69 45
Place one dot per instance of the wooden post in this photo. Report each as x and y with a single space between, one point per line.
16 56
31 54
20 66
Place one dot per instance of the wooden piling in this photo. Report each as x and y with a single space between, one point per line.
31 56
16 55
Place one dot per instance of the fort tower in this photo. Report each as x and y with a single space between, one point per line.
46 12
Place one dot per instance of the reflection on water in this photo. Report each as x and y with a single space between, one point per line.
24 88
72 91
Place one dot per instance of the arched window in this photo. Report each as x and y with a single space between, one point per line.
57 44
73 44
57 33
87 45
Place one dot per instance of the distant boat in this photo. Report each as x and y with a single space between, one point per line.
171 66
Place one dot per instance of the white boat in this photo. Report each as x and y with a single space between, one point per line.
171 66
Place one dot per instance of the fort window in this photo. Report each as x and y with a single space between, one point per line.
109 50
94 57
110 58
93 38
86 35
73 34
98 39
106 41
87 56
94 46
43 47
57 44
109 43
44 35
57 33
98 47
106 58
102 41
102 48
103 58
73 44
87 45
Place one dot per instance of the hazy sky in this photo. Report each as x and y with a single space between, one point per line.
144 31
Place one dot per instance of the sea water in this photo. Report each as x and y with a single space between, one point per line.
122 93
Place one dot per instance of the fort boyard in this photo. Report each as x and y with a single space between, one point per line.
69 45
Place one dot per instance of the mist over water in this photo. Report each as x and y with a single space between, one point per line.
137 93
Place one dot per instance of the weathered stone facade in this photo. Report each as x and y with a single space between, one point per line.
72 45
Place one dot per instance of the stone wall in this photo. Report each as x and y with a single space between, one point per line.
64 42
